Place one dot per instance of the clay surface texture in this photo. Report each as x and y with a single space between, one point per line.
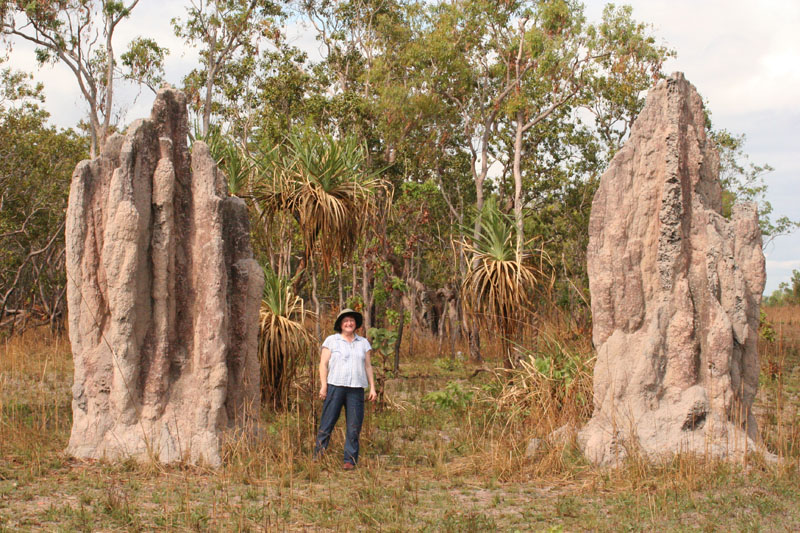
163 295
676 289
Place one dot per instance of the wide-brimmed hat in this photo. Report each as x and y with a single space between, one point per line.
337 326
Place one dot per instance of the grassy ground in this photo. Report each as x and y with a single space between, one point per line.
446 452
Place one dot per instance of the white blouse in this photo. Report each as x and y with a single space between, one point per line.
347 366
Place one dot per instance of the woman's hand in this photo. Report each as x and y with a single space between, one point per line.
373 394
324 359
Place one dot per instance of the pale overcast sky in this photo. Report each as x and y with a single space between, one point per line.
743 56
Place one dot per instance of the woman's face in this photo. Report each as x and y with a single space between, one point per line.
348 324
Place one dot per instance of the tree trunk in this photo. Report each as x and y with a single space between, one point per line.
366 293
401 309
315 300
474 343
355 283
452 317
442 327
109 99
211 74
339 283
508 364
399 340
518 182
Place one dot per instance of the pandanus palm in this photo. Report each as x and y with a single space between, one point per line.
322 181
499 281
283 339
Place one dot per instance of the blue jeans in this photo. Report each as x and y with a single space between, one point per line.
352 398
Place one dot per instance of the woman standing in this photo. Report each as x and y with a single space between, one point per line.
345 370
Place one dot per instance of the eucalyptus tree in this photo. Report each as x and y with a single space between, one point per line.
567 118
509 66
515 73
601 68
80 35
744 181
369 90
228 33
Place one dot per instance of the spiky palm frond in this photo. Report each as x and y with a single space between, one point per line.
237 166
497 236
498 285
496 293
231 159
283 339
326 161
272 186
336 195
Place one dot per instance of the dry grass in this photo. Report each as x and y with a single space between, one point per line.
778 403
35 382
447 453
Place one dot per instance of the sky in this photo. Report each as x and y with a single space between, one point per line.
743 56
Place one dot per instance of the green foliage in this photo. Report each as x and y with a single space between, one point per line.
231 159
499 282
496 237
786 293
634 65
277 296
326 161
453 396
144 60
557 366
355 302
324 184
448 364
16 90
766 330
227 34
36 164
427 95
743 181
78 34
383 340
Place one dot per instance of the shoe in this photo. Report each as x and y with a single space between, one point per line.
349 466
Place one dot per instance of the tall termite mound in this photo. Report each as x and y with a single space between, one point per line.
163 295
676 289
